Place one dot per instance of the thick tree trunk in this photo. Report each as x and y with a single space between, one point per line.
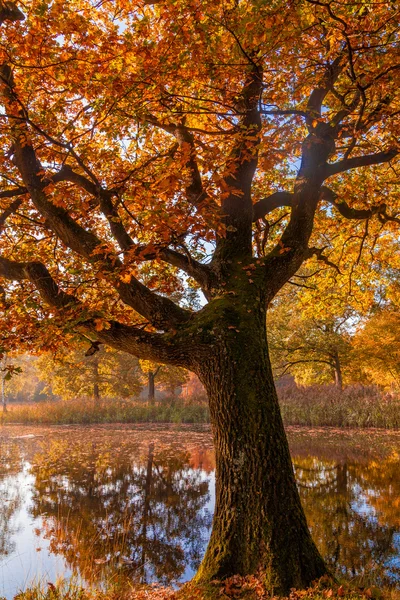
259 524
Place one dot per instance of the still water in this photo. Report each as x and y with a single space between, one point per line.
134 504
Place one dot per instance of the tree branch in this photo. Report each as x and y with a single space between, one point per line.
18 191
266 205
14 206
143 344
318 253
360 161
159 310
194 191
287 366
356 213
318 95
200 272
10 12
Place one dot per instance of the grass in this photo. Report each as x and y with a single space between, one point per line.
239 588
355 406
315 406
110 411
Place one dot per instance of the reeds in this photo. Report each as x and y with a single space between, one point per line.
355 406
108 411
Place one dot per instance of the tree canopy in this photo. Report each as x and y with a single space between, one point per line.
121 130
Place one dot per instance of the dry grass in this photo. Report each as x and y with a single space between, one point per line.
355 406
108 411
314 406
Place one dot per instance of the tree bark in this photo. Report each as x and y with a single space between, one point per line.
259 523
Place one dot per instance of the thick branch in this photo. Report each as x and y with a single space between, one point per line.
149 346
194 190
266 205
360 161
318 95
14 206
199 272
10 12
12 270
356 213
18 191
236 205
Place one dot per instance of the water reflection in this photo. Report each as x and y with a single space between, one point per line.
142 518
10 495
353 521
138 507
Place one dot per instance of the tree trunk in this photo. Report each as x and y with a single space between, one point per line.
152 389
96 392
338 372
259 523
96 378
3 384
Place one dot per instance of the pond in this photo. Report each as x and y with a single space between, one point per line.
135 503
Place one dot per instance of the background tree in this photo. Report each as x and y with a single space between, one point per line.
168 378
27 387
136 140
376 348
313 348
105 374
8 372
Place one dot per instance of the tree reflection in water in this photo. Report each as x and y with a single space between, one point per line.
121 518
126 509
10 495
353 516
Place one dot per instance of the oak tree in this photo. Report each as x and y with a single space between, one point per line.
146 146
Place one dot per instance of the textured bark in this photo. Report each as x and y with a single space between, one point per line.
259 523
